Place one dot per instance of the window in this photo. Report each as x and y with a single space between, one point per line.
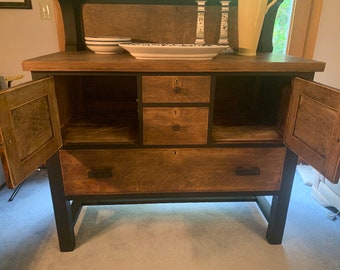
282 26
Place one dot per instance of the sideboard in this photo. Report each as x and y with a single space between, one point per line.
117 130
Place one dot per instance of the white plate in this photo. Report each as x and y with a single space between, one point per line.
152 51
105 49
105 42
107 38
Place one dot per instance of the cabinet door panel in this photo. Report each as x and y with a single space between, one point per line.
313 126
29 127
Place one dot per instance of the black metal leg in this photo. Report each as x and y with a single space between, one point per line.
62 207
280 203
264 206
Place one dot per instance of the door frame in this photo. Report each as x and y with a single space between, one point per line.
304 28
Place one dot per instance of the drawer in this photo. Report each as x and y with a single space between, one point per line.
175 125
176 89
130 171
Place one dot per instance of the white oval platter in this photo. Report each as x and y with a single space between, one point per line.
156 51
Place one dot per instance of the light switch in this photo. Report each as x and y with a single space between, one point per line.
45 10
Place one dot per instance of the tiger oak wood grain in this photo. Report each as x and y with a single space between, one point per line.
155 23
171 170
163 89
175 125
313 128
88 61
29 126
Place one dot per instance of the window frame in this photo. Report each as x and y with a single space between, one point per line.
304 28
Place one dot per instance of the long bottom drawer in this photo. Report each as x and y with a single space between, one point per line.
125 171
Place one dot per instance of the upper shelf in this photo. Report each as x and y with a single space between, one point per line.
85 61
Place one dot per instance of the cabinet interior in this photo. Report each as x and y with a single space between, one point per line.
250 108
98 109
103 110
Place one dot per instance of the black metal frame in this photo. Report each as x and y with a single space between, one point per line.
67 208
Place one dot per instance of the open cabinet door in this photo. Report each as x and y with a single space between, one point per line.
30 129
313 127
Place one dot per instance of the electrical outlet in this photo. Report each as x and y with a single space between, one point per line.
45 10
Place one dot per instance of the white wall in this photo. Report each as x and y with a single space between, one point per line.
23 35
328 43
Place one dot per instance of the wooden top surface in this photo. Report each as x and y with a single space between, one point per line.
86 61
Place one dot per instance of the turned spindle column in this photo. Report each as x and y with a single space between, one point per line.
200 22
224 28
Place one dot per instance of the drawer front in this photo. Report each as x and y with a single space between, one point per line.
130 171
176 89
172 125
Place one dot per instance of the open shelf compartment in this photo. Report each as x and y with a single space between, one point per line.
98 110
249 110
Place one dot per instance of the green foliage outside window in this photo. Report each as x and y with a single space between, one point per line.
281 27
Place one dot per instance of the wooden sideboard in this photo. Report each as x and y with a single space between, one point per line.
116 130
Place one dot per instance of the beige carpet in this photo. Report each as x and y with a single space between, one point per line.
165 236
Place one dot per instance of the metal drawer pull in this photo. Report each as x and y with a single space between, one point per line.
103 173
248 171
177 90
175 127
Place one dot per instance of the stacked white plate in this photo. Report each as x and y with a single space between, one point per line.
106 44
